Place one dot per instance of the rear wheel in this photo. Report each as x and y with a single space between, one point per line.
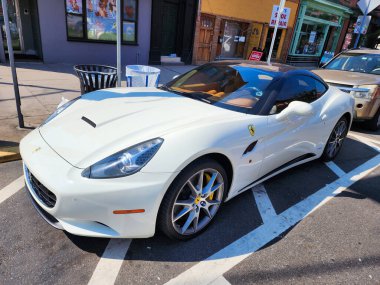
336 139
374 123
193 200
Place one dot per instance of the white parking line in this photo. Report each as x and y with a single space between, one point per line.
110 263
368 141
216 265
220 281
263 203
335 168
11 189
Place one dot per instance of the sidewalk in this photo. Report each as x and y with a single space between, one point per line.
42 87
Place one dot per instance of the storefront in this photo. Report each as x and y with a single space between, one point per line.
232 29
80 31
318 29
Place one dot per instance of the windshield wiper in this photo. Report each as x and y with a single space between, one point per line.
198 96
192 95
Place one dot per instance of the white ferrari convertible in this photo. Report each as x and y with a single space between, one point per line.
122 162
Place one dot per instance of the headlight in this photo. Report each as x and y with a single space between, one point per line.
59 110
125 162
364 91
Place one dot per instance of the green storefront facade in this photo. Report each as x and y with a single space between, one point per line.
318 29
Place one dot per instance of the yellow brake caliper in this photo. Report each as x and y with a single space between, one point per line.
208 177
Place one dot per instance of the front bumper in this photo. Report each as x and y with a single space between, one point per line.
366 109
85 206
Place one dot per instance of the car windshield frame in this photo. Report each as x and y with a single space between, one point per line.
350 55
246 86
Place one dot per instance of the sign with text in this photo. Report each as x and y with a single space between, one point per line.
284 17
361 24
256 55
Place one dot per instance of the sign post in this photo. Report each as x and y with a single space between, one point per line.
118 42
366 6
12 64
279 13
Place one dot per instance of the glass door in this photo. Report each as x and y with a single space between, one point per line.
13 26
230 39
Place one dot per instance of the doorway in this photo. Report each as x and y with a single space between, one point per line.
268 42
206 35
24 27
233 39
169 27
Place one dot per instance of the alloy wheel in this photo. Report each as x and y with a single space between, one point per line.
336 139
198 201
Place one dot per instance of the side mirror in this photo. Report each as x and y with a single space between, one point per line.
296 109
175 76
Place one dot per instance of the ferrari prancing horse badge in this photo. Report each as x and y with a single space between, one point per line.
251 130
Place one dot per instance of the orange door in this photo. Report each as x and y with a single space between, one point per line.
206 34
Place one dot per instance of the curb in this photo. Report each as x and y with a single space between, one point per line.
8 154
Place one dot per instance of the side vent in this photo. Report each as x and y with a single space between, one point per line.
250 147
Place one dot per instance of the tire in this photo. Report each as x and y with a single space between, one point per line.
374 123
187 211
335 141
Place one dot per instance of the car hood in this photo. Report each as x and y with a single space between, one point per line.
347 77
123 118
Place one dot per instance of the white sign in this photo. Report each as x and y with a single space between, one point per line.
370 4
284 17
312 36
360 23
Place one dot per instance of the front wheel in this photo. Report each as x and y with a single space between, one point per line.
193 200
336 139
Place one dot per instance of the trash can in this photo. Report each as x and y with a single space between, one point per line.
95 77
142 76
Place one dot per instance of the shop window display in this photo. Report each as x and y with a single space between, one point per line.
95 20
311 39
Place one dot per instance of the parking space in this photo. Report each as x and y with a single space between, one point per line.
273 235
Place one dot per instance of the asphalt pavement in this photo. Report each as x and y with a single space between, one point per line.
315 224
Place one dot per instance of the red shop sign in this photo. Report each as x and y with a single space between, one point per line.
256 55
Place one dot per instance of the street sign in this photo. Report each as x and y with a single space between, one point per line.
368 5
361 25
284 17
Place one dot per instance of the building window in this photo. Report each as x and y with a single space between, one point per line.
95 20
310 41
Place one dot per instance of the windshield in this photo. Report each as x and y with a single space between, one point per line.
356 62
237 87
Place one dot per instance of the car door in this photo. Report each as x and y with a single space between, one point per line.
296 138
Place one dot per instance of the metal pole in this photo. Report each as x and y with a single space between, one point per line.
12 64
118 41
361 27
280 9
2 49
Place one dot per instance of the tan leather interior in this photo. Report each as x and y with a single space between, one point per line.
242 102
201 86
219 94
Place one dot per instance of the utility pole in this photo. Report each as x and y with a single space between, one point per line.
118 41
280 10
12 64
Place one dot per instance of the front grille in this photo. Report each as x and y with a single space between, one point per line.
45 195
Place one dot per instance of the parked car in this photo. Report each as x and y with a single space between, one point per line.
119 162
357 72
